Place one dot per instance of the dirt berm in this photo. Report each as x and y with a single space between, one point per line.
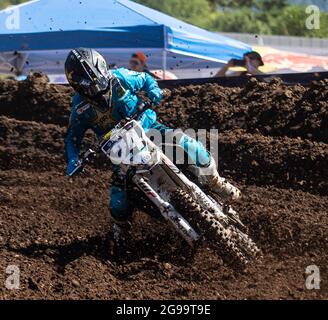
273 143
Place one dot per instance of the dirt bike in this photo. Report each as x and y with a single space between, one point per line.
192 213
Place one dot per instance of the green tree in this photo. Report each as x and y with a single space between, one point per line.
251 16
233 3
6 3
257 4
291 21
193 11
244 20
269 5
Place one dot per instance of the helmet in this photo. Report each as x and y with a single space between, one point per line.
87 72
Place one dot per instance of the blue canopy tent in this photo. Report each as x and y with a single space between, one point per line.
37 35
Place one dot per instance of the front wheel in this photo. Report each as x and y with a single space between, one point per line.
231 242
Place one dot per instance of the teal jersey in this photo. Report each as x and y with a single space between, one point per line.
124 97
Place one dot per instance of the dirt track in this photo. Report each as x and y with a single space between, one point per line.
273 143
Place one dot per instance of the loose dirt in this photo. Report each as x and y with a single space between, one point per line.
273 143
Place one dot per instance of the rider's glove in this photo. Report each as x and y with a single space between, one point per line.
71 167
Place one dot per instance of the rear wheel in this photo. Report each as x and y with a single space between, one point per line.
233 244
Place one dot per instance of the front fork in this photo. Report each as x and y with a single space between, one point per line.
207 203
179 223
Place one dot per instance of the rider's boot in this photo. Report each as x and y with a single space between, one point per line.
204 168
120 209
210 177
120 232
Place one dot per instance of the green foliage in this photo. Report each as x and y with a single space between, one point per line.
257 4
6 3
192 11
273 5
273 17
245 20
292 20
276 17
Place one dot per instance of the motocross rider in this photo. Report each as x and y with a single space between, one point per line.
103 98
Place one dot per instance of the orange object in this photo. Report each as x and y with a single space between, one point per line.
276 60
141 56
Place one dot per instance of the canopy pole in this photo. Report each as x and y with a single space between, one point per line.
164 64
164 56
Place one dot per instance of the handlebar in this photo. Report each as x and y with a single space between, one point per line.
90 153
83 162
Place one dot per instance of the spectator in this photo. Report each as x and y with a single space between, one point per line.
138 63
252 61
